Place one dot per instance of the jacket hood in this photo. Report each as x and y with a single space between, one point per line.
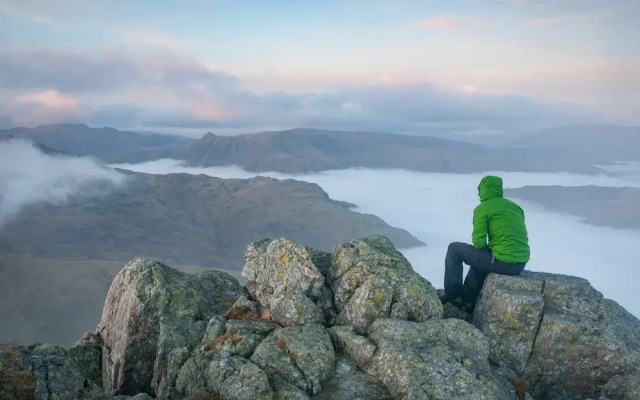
490 187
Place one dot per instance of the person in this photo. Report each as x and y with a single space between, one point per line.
500 244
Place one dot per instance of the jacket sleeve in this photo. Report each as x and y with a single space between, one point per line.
479 235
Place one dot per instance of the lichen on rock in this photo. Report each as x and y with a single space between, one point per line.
370 279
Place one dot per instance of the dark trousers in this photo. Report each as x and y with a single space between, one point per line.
480 262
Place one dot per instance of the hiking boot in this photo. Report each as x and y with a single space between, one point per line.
468 306
455 300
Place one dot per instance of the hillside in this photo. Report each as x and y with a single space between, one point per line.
188 219
604 206
106 144
593 143
310 150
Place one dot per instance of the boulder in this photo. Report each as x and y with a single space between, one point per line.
370 279
348 382
301 355
87 353
153 316
434 360
16 377
288 280
220 365
508 312
244 308
345 340
41 372
561 334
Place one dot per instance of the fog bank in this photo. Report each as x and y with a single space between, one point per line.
28 176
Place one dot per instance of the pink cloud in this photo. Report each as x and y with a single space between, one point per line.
51 99
151 37
542 22
208 108
451 23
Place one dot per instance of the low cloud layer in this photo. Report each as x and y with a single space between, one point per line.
29 176
437 209
178 93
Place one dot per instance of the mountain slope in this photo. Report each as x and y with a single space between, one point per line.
593 143
311 150
605 206
107 144
188 219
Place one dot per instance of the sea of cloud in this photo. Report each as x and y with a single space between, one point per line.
437 209
29 176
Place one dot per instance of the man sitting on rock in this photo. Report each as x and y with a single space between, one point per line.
500 244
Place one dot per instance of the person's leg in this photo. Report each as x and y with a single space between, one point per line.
479 271
458 253
473 284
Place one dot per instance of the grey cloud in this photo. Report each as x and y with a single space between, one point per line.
28 176
409 109
77 73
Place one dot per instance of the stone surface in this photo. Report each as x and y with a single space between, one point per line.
244 308
301 355
508 312
287 279
452 311
346 340
57 375
561 334
434 360
87 353
16 377
150 311
348 382
370 279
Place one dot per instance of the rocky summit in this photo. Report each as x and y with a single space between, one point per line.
357 323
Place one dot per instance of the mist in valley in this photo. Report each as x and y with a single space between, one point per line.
437 209
29 176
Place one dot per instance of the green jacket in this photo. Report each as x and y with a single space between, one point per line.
501 221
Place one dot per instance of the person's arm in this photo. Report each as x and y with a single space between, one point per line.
479 235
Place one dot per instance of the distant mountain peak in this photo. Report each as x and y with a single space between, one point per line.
208 137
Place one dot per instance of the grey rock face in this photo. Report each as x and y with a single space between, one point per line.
348 382
451 311
508 312
57 376
434 360
87 353
220 364
16 377
370 279
244 308
42 372
561 334
301 355
287 279
346 340
150 311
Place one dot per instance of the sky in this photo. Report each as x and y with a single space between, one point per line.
407 66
